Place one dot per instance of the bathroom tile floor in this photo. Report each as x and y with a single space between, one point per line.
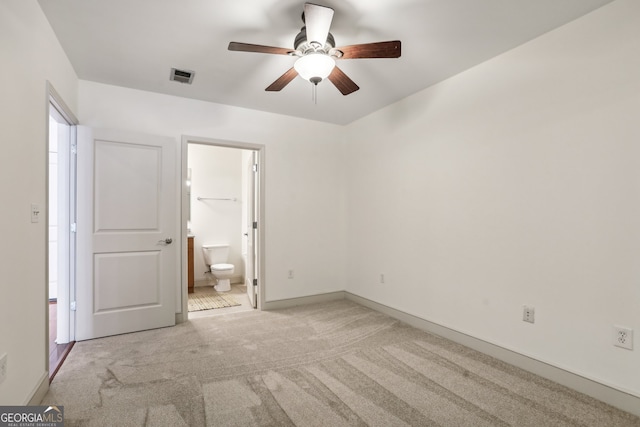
239 293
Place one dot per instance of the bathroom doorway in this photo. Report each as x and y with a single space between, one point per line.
222 205
60 220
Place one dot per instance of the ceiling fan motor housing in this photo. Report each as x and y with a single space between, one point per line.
301 44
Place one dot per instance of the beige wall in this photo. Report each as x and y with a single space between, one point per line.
513 183
30 55
516 182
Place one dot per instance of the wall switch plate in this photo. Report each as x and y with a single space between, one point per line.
623 337
528 314
3 367
35 213
381 277
290 274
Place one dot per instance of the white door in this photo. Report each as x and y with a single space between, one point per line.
127 254
252 232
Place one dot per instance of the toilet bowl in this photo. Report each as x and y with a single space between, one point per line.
215 256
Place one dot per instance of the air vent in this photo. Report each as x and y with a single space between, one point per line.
182 76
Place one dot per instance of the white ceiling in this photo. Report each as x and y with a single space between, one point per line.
134 43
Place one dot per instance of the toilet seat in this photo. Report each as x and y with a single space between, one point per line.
221 267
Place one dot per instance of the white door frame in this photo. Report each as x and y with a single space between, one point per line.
251 194
186 139
55 101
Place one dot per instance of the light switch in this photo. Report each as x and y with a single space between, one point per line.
35 213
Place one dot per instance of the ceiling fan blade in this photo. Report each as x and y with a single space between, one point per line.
282 81
344 84
390 49
318 21
247 47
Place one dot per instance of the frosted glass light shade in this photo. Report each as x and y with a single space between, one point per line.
314 65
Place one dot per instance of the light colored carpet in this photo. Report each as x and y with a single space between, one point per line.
329 364
199 301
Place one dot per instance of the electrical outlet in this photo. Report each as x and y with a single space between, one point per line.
3 367
381 278
290 274
623 337
528 314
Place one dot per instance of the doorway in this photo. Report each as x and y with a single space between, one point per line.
223 205
60 239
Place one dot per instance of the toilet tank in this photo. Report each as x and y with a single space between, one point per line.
215 254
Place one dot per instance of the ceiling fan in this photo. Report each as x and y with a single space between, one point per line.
315 48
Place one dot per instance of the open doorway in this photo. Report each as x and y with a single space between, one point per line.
222 208
60 241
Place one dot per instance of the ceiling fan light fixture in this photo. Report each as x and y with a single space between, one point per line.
315 67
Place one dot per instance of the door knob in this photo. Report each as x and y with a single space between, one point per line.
166 241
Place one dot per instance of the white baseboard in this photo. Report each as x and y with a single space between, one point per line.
311 299
41 389
604 393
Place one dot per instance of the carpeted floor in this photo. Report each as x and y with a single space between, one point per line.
209 300
329 364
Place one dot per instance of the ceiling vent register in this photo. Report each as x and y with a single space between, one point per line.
182 76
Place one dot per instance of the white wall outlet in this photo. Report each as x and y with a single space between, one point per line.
381 277
528 314
3 367
290 274
35 213
623 337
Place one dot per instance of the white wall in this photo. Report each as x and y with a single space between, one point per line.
216 172
513 183
305 192
30 55
516 182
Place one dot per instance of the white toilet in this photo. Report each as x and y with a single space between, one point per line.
215 256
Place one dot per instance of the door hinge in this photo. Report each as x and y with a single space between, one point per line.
255 167
74 149
74 227
255 225
255 282
72 306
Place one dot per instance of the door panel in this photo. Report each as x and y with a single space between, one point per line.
127 266
126 280
127 180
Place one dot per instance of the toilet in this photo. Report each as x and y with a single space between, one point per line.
215 256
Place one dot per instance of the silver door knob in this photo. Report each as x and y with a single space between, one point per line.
166 241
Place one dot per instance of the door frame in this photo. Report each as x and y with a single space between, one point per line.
260 148
54 100
251 192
